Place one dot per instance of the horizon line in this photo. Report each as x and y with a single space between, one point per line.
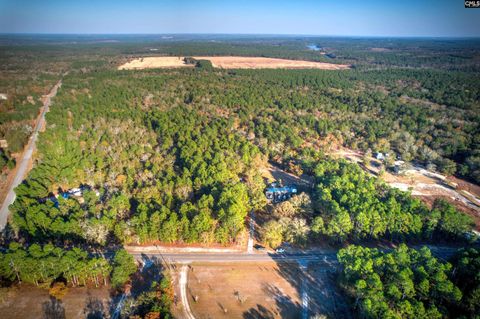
247 34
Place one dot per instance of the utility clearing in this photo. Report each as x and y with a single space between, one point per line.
231 62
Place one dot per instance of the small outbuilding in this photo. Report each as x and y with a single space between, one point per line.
379 156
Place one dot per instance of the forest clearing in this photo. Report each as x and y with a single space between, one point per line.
230 62
154 62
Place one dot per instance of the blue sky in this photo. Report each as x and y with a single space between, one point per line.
342 17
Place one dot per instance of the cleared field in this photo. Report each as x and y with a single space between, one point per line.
262 290
237 62
155 62
231 62
242 291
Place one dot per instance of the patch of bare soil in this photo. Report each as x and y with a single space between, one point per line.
466 186
380 49
231 62
26 301
155 62
243 291
325 296
265 290
237 62
274 173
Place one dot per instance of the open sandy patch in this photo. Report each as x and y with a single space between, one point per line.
238 62
155 62
231 62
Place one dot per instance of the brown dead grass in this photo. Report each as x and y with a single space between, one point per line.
261 288
231 62
26 301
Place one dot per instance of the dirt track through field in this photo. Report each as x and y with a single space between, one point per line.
183 293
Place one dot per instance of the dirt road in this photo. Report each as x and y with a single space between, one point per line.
183 293
23 165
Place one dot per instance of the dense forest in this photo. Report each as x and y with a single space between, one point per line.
359 206
175 157
409 283
424 91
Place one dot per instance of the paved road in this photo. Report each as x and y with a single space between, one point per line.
325 258
22 167
330 257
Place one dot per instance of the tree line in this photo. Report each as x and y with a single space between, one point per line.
42 265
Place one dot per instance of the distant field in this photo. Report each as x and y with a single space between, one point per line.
231 62
154 63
